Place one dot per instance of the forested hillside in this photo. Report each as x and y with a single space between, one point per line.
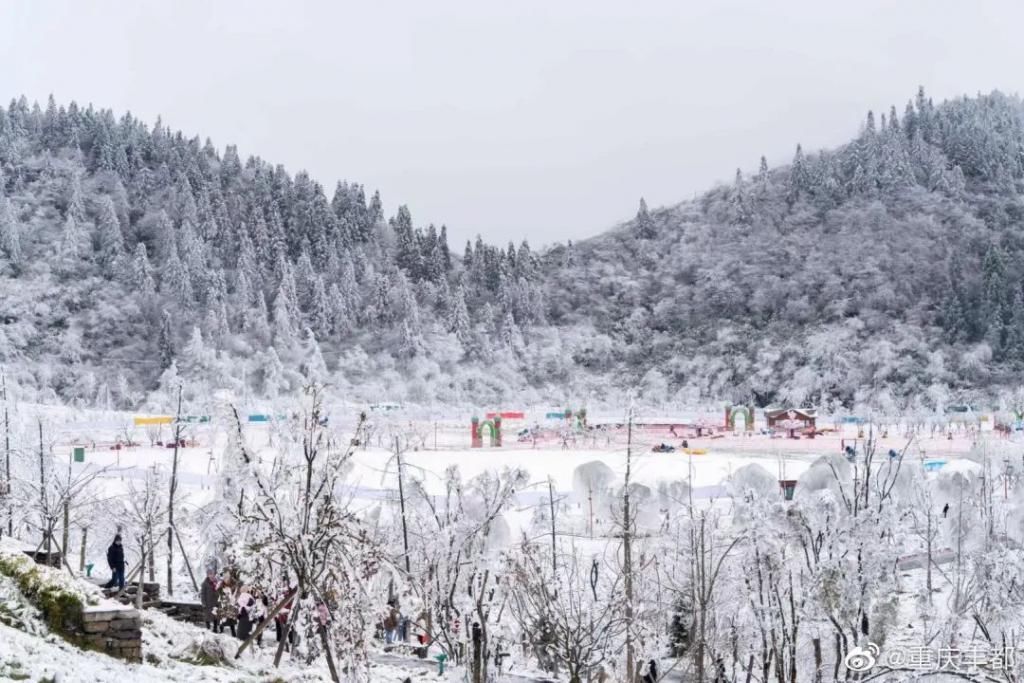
886 271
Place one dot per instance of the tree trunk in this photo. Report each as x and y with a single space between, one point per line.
138 586
170 502
65 537
816 644
81 550
839 656
7 456
152 560
928 571
325 641
184 556
627 557
285 633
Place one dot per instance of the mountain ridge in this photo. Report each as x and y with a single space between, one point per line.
886 272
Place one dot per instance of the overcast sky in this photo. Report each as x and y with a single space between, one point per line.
545 120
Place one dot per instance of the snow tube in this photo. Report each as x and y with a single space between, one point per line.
695 451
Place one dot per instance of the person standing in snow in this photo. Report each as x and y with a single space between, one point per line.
258 612
227 607
246 603
115 559
208 596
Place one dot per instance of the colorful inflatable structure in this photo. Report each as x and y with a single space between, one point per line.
577 419
732 412
477 431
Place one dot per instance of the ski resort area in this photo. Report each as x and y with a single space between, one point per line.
497 542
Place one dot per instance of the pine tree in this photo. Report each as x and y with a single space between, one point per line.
319 310
284 324
169 381
247 263
192 250
339 313
244 298
166 341
166 238
953 320
287 294
313 366
196 359
511 336
383 306
411 344
442 243
256 319
141 271
644 225
305 280
348 286
570 255
1014 349
994 283
799 173
110 240
406 253
410 310
458 316
274 381
176 282
762 172
10 233
375 212
75 207
72 242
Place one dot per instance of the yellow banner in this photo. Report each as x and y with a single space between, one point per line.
154 420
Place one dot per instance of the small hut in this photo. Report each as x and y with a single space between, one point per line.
792 420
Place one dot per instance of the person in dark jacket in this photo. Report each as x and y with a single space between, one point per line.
115 560
208 595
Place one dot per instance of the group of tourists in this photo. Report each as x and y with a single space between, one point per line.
242 609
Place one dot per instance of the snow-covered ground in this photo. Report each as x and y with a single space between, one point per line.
374 475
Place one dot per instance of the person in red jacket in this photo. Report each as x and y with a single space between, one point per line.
281 620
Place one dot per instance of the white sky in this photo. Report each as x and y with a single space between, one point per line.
543 119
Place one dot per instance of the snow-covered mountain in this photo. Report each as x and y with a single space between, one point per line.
887 268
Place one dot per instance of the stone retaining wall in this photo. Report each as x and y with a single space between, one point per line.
184 610
115 631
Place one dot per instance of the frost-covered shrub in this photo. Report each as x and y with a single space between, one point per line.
205 650
754 480
591 480
56 596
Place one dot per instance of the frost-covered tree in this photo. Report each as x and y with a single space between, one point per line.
10 233
288 530
109 238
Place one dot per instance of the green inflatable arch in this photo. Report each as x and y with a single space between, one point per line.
748 417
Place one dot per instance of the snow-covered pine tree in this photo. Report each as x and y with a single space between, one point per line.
109 238
458 316
141 274
10 233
